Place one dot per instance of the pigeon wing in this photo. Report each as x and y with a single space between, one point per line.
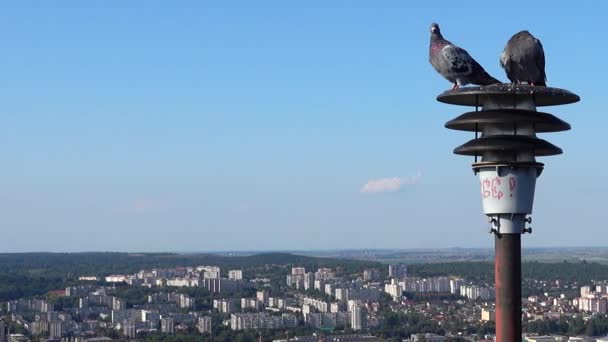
540 58
459 61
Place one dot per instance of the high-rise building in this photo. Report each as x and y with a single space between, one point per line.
211 274
371 274
342 294
477 292
52 316
208 269
397 271
455 285
262 296
593 304
395 290
262 320
235 274
55 330
2 331
204 324
309 280
118 304
298 270
324 274
488 315
328 320
356 315
129 328
318 304
585 290
39 328
440 284
224 305
295 280
167 325
251 303
432 284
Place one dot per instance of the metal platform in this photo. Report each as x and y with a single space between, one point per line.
508 143
475 96
476 121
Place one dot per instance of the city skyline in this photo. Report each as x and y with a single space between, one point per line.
273 126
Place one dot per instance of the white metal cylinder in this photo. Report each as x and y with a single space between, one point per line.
507 189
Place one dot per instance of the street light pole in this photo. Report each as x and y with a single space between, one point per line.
506 143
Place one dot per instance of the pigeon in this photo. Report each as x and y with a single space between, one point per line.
524 60
454 63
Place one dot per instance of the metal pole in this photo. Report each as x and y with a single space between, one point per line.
507 172
507 269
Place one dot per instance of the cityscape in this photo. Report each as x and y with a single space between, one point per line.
315 171
283 297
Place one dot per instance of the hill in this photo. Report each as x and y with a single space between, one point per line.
31 274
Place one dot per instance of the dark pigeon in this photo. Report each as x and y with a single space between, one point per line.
524 60
454 63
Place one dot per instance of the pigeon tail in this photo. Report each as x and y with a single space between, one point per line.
484 79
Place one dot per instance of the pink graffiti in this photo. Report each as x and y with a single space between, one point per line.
512 184
496 193
492 188
485 188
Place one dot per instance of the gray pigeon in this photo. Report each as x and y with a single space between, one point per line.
454 63
524 60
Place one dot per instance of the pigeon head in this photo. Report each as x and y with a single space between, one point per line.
435 31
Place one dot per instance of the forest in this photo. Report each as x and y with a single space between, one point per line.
582 272
33 274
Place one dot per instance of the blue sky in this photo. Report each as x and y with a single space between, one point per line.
197 126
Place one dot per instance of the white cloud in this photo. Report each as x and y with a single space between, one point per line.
390 184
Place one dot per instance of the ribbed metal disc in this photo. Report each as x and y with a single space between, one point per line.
475 96
508 143
475 121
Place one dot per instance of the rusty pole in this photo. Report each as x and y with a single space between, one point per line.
507 270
